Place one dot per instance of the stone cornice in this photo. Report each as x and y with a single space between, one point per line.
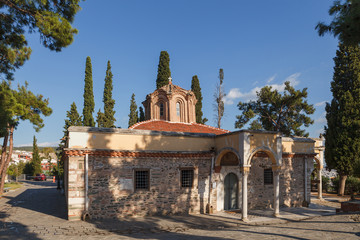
135 154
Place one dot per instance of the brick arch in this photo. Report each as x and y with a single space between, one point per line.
181 101
319 163
222 153
268 151
161 100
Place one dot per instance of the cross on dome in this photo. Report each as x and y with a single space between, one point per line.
170 80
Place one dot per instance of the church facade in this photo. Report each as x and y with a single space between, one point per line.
169 164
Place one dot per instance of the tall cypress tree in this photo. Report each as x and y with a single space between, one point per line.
195 87
89 103
141 114
163 70
133 116
36 161
342 134
73 119
109 102
100 119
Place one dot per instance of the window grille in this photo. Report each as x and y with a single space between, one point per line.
187 178
142 179
268 176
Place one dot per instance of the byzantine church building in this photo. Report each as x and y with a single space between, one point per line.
169 164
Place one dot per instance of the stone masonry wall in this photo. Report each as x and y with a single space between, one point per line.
75 187
259 194
292 183
112 194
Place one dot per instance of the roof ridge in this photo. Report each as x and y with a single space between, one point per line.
136 125
208 126
139 123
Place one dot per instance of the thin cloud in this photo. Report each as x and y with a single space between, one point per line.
319 104
271 79
321 119
236 93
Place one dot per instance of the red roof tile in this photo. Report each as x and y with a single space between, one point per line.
166 126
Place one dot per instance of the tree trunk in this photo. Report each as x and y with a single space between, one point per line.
342 184
8 158
3 155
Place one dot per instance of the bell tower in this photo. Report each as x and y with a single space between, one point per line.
171 103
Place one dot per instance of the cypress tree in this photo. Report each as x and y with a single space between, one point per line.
73 119
36 161
133 116
109 102
141 114
89 103
100 119
342 134
163 70
195 87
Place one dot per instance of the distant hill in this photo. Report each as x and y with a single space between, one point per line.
28 148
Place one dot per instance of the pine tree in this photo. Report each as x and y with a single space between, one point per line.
342 134
109 103
133 116
163 70
274 111
195 87
20 104
89 103
52 19
141 114
346 22
36 161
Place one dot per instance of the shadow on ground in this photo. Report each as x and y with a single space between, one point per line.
14 230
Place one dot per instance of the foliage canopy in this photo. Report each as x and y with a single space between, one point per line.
52 19
89 103
276 112
345 23
342 134
133 115
163 70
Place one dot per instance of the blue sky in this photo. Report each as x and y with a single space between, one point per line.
257 43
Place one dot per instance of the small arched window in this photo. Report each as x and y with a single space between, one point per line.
178 109
161 109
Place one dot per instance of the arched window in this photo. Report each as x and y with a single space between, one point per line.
178 109
161 109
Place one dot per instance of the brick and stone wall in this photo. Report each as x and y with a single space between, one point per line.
111 186
292 182
75 184
259 194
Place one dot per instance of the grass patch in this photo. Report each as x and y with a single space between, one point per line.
13 185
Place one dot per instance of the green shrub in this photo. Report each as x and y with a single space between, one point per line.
335 184
325 183
352 184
